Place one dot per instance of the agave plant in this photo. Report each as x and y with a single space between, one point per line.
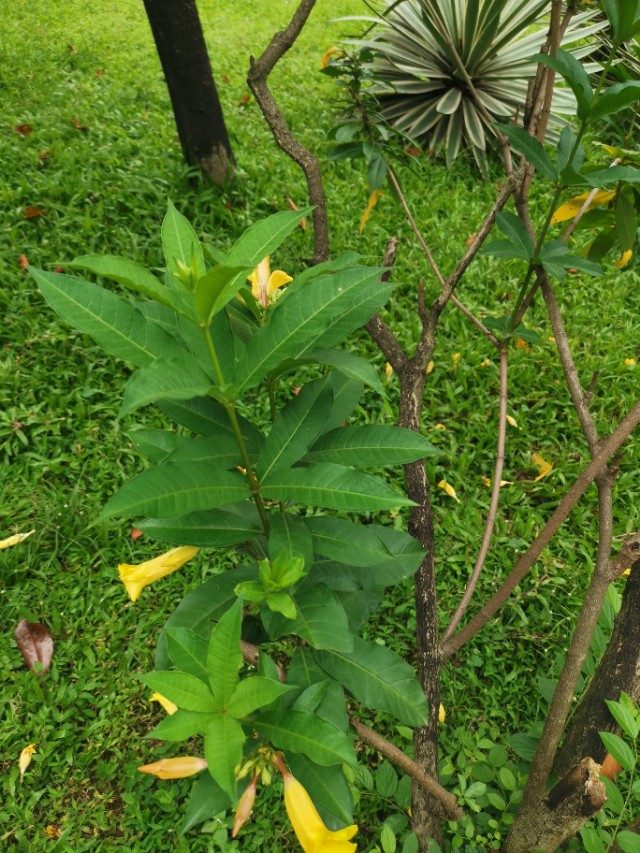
445 70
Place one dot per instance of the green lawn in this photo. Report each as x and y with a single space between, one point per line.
100 161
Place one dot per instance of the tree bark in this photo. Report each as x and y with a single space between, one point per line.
562 812
179 39
617 672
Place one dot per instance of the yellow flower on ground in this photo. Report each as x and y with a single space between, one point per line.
264 283
542 466
388 370
135 578
175 768
430 367
14 540
169 706
630 362
310 830
511 421
570 208
25 758
440 426
485 363
449 490
624 259
454 359
442 714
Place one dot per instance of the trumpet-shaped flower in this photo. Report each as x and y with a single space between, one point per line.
264 283
169 706
135 578
310 830
245 806
175 768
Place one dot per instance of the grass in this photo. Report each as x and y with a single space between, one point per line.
100 162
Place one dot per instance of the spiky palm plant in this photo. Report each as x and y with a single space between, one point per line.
446 69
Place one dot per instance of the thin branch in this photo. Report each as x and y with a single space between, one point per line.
476 322
452 810
377 328
493 504
606 449
257 79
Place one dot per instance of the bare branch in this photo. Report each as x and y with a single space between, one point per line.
257 79
449 803
493 504
606 449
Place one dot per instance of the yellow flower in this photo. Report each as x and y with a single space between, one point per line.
25 758
430 367
571 208
542 466
388 370
485 363
175 768
449 490
440 426
135 578
511 421
629 362
442 714
333 51
264 283
624 259
310 830
14 540
169 706
245 805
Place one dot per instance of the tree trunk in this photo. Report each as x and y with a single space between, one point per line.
562 812
617 672
178 35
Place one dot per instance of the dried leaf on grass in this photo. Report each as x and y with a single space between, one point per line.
35 642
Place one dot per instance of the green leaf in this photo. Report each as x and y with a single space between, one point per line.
113 322
155 444
223 744
209 418
282 603
619 749
187 691
505 249
327 787
188 652
297 731
388 839
371 445
380 679
212 529
376 173
202 606
592 841
389 555
515 231
386 780
221 449
224 657
320 620
175 489
531 148
290 536
298 424
177 378
310 698
181 244
215 289
573 72
349 364
615 98
263 238
180 726
602 177
311 317
360 604
206 801
342 261
125 272
628 842
334 487
626 222
254 692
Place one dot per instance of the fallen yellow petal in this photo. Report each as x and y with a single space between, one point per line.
442 714
624 259
175 768
169 706
373 198
454 358
511 421
485 363
630 362
14 540
430 367
388 370
542 466
440 426
449 490
626 573
135 578
570 208
25 758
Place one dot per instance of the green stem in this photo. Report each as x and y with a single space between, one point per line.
254 486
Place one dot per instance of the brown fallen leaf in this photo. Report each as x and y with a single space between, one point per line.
35 642
135 534
23 261
23 129
78 124
32 212
294 206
